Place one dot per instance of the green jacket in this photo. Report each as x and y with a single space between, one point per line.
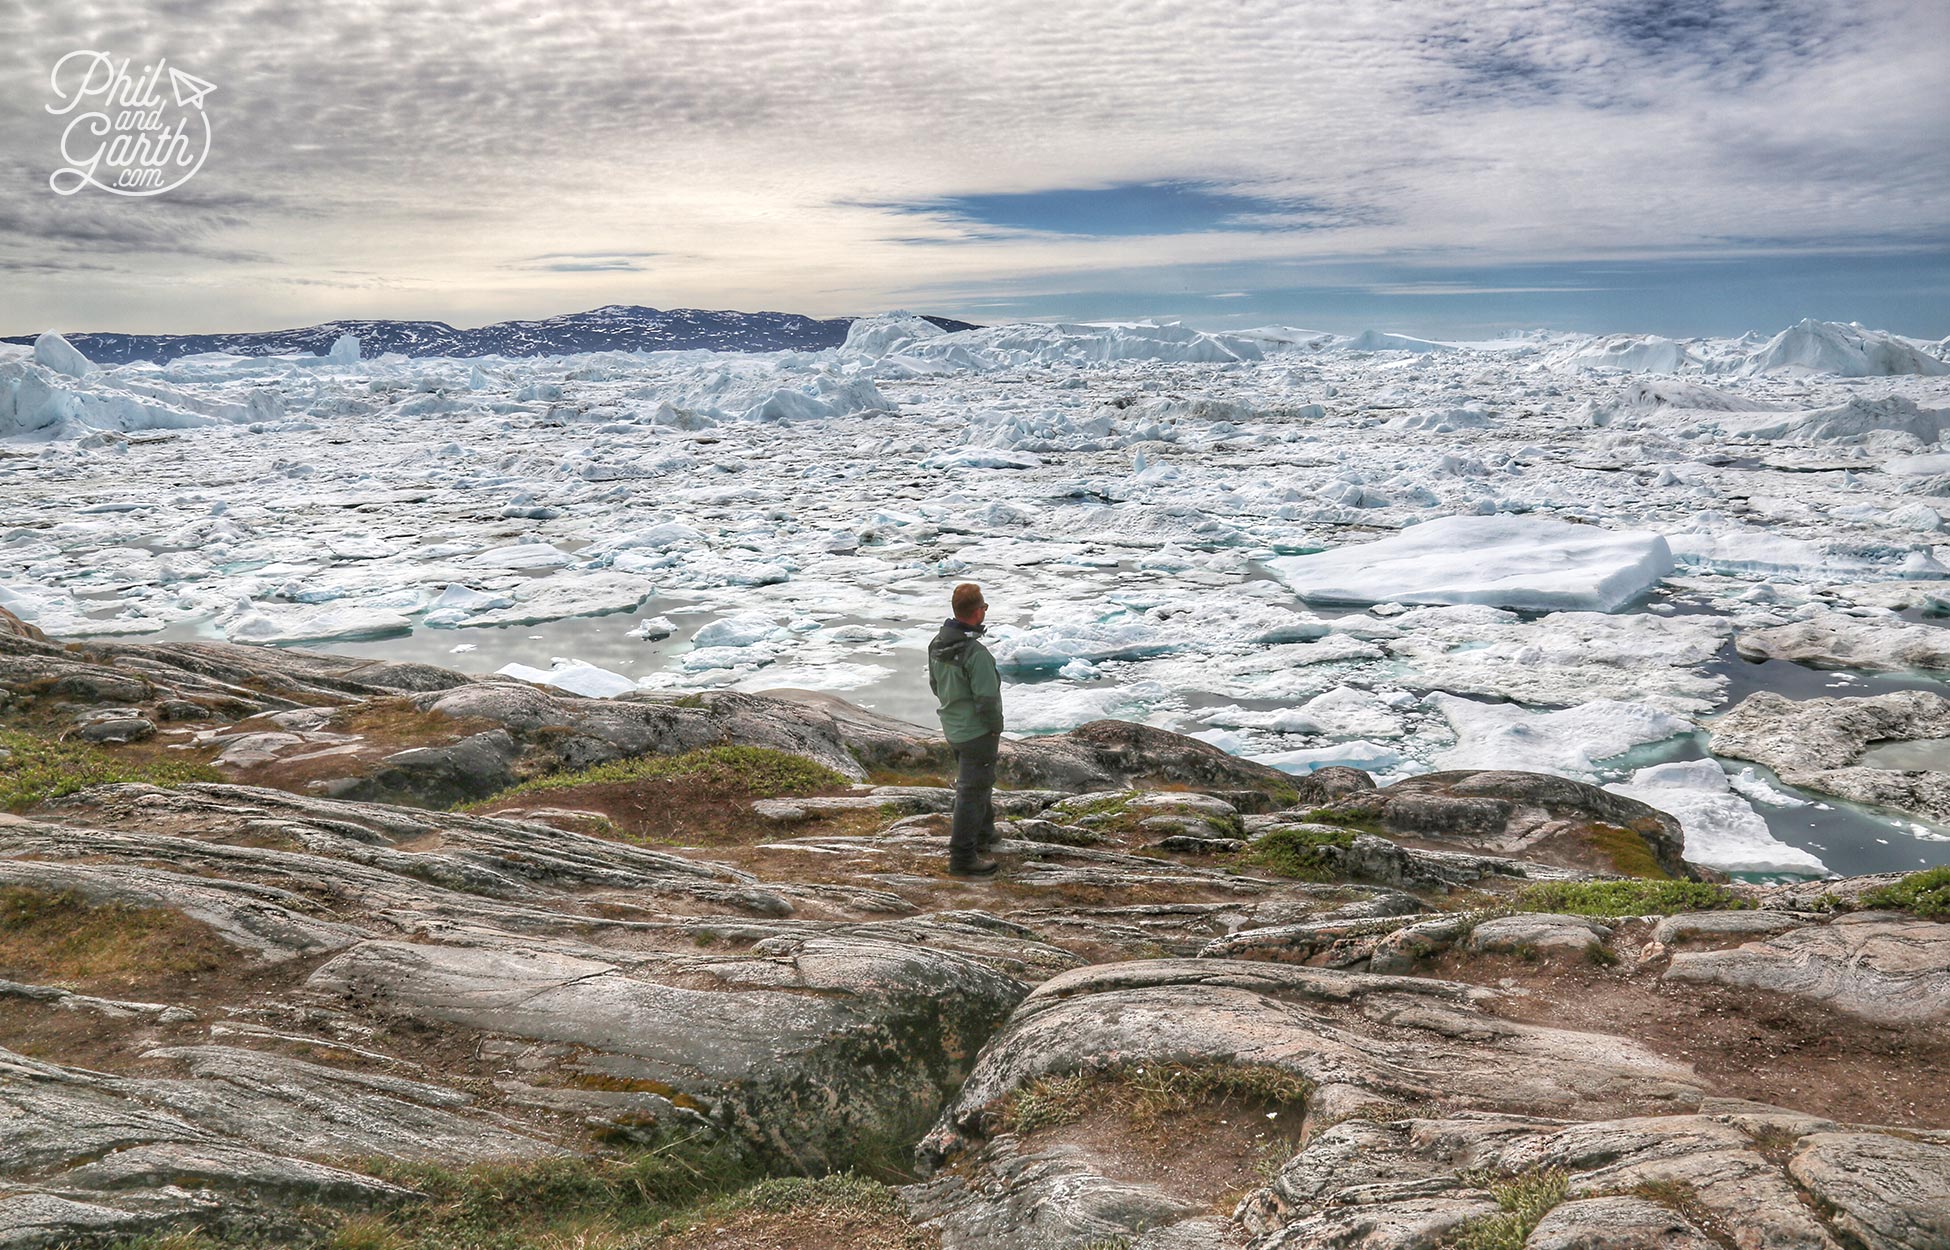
961 672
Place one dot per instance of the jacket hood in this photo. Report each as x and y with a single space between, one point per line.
953 640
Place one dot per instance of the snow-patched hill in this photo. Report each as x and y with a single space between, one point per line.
617 327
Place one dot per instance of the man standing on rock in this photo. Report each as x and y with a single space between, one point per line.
961 672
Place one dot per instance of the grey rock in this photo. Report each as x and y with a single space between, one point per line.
1837 640
1537 932
1417 1180
1616 1224
1871 964
1333 943
1324 785
1354 1035
1192 844
1815 743
1399 952
1009 1200
251 1174
118 729
30 1221
472 768
1891 1193
270 923
68 1000
1534 815
804 1045
1716 925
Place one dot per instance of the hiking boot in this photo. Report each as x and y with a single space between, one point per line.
977 867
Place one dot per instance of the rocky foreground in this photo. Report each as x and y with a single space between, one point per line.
386 925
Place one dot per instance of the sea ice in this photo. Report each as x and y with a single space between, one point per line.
268 623
1723 831
1534 563
574 676
1570 742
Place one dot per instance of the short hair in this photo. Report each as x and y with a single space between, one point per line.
968 599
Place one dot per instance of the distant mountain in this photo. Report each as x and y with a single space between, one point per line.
618 327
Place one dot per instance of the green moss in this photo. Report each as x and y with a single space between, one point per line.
1526 1199
1348 815
1298 851
1628 852
1927 894
506 1206
36 769
1637 897
757 772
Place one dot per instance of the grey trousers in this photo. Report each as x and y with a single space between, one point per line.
974 797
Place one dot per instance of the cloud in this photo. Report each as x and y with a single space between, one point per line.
499 158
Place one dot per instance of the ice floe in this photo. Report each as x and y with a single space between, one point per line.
1723 830
1537 563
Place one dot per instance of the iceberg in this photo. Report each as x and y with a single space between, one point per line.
574 676
1723 831
1529 563
1849 351
1569 742
51 351
314 624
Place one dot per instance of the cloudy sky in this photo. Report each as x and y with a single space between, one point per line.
1682 166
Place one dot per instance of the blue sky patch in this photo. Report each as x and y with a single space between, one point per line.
1132 208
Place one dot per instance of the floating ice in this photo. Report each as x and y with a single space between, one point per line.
1053 646
1369 756
1570 743
1722 829
1525 562
1056 706
563 595
266 623
742 629
574 676
1378 341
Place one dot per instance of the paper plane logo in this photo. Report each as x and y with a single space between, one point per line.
189 89
126 134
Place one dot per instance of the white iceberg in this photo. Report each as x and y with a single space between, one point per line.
574 676
1723 831
1532 563
1850 351
1570 742
268 624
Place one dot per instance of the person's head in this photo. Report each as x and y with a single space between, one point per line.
968 604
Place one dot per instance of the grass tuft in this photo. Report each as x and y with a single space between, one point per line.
59 937
1927 894
1298 852
1149 1094
1525 1198
35 769
1636 897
